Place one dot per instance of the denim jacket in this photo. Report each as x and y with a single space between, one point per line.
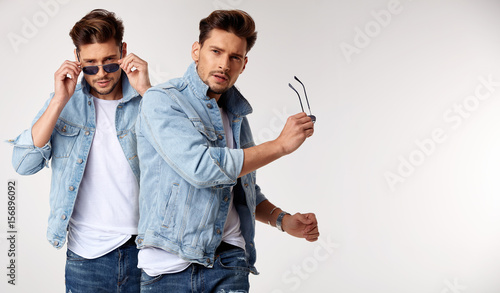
187 171
69 148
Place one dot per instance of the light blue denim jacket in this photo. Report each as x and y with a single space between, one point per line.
69 148
187 170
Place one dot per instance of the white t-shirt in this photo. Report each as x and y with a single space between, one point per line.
155 261
106 210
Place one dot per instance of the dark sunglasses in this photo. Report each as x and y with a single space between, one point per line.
94 69
313 118
109 68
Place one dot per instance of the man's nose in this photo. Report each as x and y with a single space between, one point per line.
224 64
101 71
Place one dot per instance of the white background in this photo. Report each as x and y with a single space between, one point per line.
436 230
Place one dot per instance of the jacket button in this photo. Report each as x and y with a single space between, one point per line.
120 106
87 133
89 103
210 106
71 188
226 199
246 184
56 243
218 231
208 260
220 137
79 161
63 217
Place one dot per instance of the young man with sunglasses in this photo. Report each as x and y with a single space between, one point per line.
199 199
87 131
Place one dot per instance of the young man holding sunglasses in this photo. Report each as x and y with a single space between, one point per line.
199 199
87 131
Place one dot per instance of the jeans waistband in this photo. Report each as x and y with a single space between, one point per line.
130 242
224 246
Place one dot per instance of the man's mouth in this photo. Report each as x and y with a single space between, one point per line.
220 77
103 83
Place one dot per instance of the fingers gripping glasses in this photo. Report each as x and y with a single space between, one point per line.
313 118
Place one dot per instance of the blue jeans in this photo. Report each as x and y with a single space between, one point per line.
229 274
114 272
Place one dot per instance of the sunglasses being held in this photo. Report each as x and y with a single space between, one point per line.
313 118
94 69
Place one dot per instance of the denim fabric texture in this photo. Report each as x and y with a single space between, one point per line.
187 171
68 150
229 274
115 272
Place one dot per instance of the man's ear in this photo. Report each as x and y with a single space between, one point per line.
244 65
124 50
76 55
195 52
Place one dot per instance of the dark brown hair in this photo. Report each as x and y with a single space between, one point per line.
237 22
98 26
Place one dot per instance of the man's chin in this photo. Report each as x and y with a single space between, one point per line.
104 92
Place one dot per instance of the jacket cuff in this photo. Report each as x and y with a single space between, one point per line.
230 161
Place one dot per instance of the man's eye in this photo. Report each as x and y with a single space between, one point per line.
215 51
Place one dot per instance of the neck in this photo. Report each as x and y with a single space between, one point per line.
213 95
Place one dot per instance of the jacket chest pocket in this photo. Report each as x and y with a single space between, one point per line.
208 133
63 139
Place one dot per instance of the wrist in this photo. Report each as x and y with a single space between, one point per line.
58 102
279 220
144 89
273 214
278 148
284 222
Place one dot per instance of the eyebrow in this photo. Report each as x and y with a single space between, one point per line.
104 58
219 49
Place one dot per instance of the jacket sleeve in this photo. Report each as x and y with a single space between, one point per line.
260 197
28 159
182 142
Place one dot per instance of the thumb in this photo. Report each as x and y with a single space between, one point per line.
304 218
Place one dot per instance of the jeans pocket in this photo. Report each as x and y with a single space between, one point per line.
71 256
148 280
234 259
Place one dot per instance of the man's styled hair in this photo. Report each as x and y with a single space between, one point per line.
237 22
98 26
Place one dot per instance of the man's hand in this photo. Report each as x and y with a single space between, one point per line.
64 85
297 128
139 78
301 226
64 88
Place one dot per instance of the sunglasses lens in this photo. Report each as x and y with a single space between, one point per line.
110 68
90 70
